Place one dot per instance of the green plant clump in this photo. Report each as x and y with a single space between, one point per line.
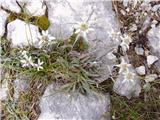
73 70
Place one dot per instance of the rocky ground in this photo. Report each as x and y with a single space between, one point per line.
117 76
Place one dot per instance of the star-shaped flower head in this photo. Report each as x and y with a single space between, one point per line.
123 66
86 22
27 61
126 40
128 76
83 27
46 36
24 63
24 54
39 65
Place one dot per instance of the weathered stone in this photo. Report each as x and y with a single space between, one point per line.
128 88
154 41
10 5
151 59
21 33
56 105
141 70
139 50
3 17
21 30
32 7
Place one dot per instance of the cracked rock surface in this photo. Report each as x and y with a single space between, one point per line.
3 17
56 105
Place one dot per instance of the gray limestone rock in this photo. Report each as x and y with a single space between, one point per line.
21 33
56 105
127 88
154 42
3 17
127 83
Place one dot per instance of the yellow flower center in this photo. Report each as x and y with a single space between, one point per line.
130 76
84 27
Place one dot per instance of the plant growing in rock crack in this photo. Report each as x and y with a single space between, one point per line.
60 61
49 60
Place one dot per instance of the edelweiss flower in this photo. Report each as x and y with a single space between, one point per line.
83 35
24 63
27 61
24 54
128 76
123 66
39 65
83 27
46 36
87 20
126 40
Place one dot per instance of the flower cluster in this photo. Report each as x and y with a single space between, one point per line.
128 76
125 71
45 37
83 27
123 65
28 62
126 40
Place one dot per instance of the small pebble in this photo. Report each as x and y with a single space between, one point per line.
141 70
139 50
151 59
